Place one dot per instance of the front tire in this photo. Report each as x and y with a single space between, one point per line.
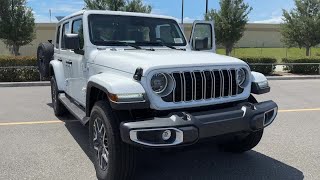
112 158
243 142
58 107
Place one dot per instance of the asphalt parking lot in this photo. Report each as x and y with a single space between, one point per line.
34 144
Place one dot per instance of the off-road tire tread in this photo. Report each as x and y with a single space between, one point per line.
48 51
124 166
60 109
243 145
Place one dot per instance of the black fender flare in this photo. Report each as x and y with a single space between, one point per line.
114 105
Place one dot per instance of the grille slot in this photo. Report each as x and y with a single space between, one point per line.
203 85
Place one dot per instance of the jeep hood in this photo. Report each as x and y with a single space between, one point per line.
130 60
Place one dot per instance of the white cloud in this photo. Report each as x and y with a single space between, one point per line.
189 19
65 9
272 20
44 19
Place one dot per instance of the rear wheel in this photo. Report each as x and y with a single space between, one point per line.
112 158
58 107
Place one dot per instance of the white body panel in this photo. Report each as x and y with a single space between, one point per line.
258 77
113 67
117 84
130 60
59 74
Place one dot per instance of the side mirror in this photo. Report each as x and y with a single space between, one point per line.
202 36
201 44
72 41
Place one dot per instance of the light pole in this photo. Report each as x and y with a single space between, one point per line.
207 7
182 11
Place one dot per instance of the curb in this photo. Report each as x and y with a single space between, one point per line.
271 78
25 84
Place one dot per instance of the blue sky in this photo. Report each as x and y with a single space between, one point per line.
264 11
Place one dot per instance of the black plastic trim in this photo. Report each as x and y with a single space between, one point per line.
255 89
114 105
206 124
138 74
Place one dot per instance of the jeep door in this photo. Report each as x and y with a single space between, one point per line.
78 65
61 53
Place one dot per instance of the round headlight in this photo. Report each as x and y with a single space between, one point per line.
159 83
241 76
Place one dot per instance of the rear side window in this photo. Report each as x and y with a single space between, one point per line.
77 28
65 30
58 37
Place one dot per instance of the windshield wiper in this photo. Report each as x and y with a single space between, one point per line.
166 45
123 43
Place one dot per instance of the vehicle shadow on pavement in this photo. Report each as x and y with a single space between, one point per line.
202 163
81 134
209 163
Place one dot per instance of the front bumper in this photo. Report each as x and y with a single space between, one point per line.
184 128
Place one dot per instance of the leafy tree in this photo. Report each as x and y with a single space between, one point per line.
119 5
301 25
113 5
230 22
16 24
137 6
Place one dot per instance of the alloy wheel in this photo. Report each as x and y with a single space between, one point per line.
100 143
54 95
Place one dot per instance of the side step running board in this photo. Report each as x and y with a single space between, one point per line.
74 109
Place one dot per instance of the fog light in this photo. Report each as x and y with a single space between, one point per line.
166 135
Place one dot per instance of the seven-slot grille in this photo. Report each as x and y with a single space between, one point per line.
203 85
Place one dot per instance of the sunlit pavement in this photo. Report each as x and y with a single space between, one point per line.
34 144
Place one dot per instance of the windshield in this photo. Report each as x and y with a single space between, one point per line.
107 30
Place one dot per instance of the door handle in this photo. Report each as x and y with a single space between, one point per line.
69 62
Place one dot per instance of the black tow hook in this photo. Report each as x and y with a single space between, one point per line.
138 74
248 105
184 116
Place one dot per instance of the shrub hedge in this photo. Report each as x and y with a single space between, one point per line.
22 74
19 74
302 69
6 61
264 69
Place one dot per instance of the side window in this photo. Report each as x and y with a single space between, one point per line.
65 30
77 28
58 37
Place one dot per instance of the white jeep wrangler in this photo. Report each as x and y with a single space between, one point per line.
137 82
